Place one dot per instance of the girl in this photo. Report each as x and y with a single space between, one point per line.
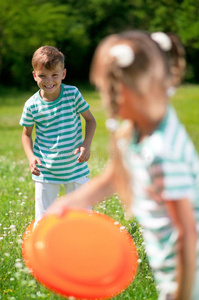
155 167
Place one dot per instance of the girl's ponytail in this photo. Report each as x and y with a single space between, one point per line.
176 60
172 46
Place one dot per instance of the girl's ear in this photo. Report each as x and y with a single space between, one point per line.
126 93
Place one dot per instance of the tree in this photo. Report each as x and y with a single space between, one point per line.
188 29
77 26
26 25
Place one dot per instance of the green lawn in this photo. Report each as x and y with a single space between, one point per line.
17 193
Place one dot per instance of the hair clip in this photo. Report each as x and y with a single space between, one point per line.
163 40
171 91
112 124
123 54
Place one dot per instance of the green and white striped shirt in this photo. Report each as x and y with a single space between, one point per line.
168 160
58 134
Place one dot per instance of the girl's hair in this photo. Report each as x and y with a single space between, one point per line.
148 65
143 62
177 61
48 57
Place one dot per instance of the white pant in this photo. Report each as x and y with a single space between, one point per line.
46 193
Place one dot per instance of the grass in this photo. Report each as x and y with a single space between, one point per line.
17 194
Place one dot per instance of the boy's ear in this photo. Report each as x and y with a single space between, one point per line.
64 73
34 75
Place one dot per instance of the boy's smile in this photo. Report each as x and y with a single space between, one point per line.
49 81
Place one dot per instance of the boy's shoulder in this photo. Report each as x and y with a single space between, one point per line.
67 89
33 100
70 91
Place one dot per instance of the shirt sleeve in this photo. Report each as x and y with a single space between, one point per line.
27 119
80 103
173 178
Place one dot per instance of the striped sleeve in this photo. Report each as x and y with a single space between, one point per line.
80 103
27 119
173 179
175 168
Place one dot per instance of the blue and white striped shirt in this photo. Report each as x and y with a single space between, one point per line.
58 134
168 160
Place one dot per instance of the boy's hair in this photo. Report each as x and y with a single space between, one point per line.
48 57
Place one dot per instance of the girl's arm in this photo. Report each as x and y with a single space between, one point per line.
28 148
88 194
84 148
181 213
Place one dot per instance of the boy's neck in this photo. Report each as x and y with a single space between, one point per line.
48 97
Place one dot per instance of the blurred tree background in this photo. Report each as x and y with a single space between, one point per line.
77 26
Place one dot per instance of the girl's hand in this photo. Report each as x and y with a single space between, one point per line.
34 161
59 206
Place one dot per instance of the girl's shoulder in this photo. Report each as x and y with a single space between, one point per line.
170 141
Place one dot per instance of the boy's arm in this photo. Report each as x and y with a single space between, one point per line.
84 148
28 148
181 213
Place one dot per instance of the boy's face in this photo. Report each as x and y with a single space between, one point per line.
49 81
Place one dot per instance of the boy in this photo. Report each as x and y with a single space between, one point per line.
60 154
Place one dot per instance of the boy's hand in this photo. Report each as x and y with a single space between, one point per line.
84 153
33 168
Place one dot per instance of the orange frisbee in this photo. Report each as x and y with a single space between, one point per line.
83 254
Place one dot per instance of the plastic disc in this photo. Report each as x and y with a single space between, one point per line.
83 254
